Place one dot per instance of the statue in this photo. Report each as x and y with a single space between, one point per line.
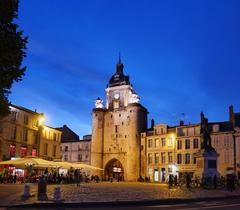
133 97
206 137
99 104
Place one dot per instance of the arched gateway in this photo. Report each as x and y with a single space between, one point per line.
114 170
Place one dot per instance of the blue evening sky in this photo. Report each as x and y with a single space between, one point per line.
181 56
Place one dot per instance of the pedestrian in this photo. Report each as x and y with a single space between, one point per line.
175 180
188 180
170 181
215 181
14 178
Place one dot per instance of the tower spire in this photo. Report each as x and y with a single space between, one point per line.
119 66
119 57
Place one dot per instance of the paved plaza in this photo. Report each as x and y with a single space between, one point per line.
11 194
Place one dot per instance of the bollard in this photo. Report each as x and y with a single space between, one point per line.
26 190
57 194
42 189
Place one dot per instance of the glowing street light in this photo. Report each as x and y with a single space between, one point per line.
41 120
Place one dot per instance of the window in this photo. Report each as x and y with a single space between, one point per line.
170 157
54 150
187 158
25 119
12 150
23 151
179 158
163 157
45 149
86 156
162 131
14 133
195 143
14 115
156 158
25 135
66 148
79 157
156 142
170 142
116 128
215 128
65 157
116 104
179 144
55 137
150 157
163 142
150 143
194 159
35 136
34 152
187 144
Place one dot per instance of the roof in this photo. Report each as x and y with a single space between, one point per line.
237 119
25 109
68 135
119 78
223 126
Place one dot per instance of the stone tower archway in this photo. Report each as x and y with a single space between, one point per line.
114 170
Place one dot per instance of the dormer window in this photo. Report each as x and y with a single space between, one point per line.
215 128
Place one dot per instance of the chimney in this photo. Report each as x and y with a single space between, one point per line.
231 115
181 123
152 123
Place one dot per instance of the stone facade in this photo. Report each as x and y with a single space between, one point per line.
22 133
159 159
116 129
76 151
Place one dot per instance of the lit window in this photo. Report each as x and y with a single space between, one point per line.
150 158
23 151
163 142
163 157
12 150
187 158
156 158
150 143
170 157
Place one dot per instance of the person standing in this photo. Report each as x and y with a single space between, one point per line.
215 181
188 180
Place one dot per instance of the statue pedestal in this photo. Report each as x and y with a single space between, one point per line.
207 163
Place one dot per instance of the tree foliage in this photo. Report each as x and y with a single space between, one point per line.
12 51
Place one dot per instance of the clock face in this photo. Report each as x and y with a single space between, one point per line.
116 95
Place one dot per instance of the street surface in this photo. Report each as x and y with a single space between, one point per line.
11 194
233 204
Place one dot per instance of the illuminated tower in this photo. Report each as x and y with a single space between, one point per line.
116 129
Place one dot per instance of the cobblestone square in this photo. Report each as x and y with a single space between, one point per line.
11 194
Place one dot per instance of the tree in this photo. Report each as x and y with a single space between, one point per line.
12 51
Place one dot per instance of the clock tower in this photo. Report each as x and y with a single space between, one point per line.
116 129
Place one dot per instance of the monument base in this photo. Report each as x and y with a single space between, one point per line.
207 163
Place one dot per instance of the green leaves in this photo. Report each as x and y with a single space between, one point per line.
12 51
